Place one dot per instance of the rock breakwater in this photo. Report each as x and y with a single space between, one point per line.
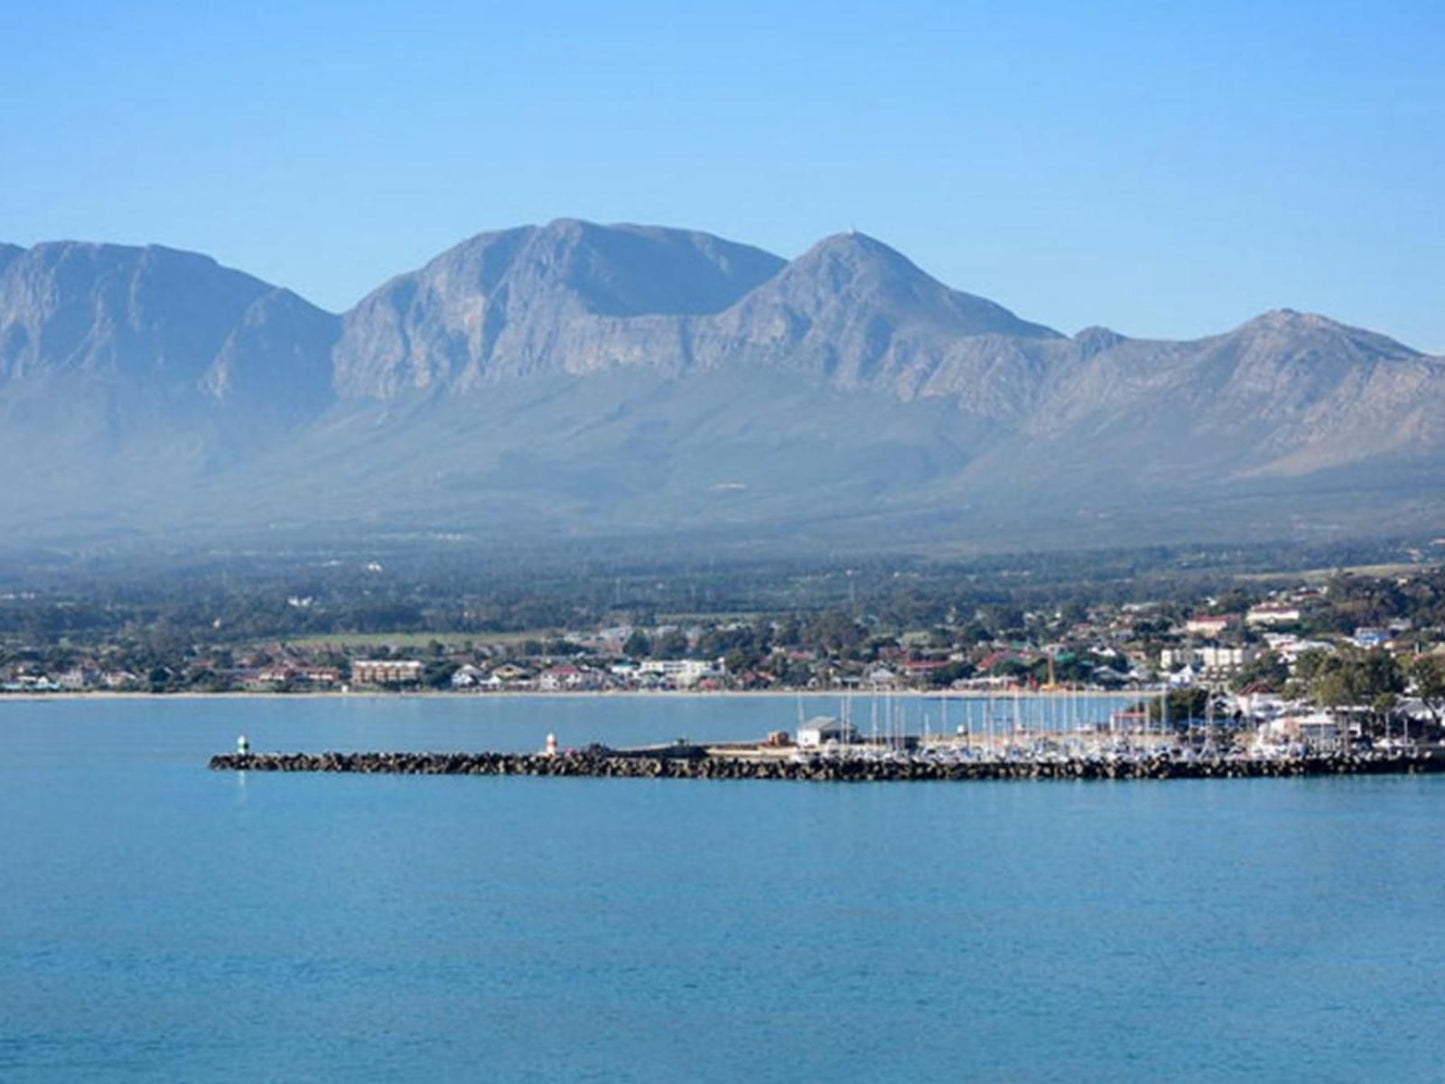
616 764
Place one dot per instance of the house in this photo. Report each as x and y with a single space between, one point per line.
564 678
918 668
1108 677
1183 679
78 678
825 729
269 677
1317 729
508 674
467 676
1290 648
881 677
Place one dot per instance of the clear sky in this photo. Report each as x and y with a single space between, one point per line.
1165 169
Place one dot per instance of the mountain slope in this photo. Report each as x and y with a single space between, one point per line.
1283 394
124 370
857 314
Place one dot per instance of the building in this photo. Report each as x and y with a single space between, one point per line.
1272 615
1214 659
467 676
566 678
1209 624
386 672
680 673
1318 729
824 729
1210 660
79 678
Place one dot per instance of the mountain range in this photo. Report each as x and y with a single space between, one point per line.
573 379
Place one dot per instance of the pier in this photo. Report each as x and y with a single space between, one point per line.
732 763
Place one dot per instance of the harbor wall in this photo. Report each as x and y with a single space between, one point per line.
610 764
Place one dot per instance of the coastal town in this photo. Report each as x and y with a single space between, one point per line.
1348 656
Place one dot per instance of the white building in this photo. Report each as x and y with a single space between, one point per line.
823 729
1271 614
1208 659
467 676
681 673
1209 624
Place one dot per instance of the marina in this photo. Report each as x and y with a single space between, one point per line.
1060 736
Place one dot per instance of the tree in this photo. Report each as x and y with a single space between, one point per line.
638 646
945 676
833 632
672 644
1184 704
1266 668
738 661
1427 679
1361 679
437 673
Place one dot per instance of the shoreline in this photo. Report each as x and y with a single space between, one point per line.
581 694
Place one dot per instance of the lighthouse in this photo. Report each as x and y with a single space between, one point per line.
551 747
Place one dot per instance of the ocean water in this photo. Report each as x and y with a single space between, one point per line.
159 921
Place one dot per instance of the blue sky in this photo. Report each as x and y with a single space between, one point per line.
1162 169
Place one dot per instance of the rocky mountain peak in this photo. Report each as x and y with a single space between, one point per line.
118 309
629 270
1285 331
856 272
1095 340
540 299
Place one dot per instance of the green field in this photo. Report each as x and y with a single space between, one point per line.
1321 575
417 639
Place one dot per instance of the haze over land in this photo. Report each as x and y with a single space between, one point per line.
585 380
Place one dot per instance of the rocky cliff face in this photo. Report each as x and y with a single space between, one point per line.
857 315
577 298
567 297
138 337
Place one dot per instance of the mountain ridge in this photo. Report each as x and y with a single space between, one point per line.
602 375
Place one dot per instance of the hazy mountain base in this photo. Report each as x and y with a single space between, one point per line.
729 461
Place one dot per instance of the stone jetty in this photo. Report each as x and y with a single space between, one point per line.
696 763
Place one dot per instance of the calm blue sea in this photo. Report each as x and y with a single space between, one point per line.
162 922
